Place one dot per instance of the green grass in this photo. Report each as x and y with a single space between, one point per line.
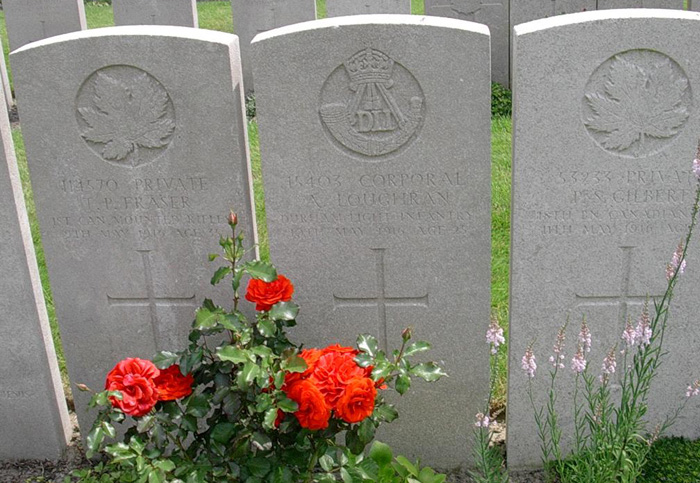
673 460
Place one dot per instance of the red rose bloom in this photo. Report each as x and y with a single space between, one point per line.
333 372
134 379
313 412
337 348
311 357
265 294
172 385
357 401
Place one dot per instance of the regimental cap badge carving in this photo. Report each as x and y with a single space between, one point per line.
371 105
125 115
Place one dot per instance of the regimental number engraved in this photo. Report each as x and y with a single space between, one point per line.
125 115
636 103
371 105
381 301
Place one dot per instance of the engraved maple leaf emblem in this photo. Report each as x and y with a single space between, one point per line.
127 115
638 103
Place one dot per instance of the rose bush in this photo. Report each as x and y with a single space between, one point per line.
243 403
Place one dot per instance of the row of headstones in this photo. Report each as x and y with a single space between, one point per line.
31 20
375 141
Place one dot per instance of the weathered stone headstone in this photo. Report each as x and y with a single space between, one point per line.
32 20
5 79
608 4
34 420
522 11
251 17
155 12
605 131
338 8
694 5
376 165
135 164
493 13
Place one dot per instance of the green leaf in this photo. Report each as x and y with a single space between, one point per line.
403 382
381 453
198 406
189 423
353 442
261 270
428 371
326 463
367 343
267 327
220 274
415 348
250 372
213 256
234 354
206 319
408 465
270 418
156 476
223 432
95 438
261 441
365 431
287 405
165 465
165 359
386 412
294 364
259 466
109 429
364 360
284 311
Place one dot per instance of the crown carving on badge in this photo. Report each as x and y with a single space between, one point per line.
369 66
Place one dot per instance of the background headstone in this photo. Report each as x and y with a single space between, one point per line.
607 4
337 8
493 13
31 20
522 11
251 17
605 131
374 135
155 12
34 420
135 164
694 5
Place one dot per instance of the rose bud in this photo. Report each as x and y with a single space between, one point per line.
407 334
232 218
83 387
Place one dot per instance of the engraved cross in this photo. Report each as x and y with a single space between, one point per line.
163 335
466 9
270 19
380 300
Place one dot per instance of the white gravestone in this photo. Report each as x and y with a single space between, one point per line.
338 8
31 20
155 12
374 135
605 131
694 5
493 13
5 79
34 421
251 17
135 164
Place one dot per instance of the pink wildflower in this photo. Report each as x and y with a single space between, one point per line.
584 337
693 390
696 168
494 336
643 329
578 363
676 265
557 359
482 421
609 366
529 363
629 335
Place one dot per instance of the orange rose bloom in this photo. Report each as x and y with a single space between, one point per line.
357 402
265 294
338 348
134 378
311 357
313 413
172 385
333 372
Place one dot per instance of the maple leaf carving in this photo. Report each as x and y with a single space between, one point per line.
127 115
638 103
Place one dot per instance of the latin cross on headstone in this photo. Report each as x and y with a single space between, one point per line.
467 9
163 331
381 301
368 6
624 299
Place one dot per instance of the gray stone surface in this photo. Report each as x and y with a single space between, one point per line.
135 164
34 420
155 12
251 17
522 11
338 8
694 5
374 133
601 199
607 4
31 20
493 13
5 79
